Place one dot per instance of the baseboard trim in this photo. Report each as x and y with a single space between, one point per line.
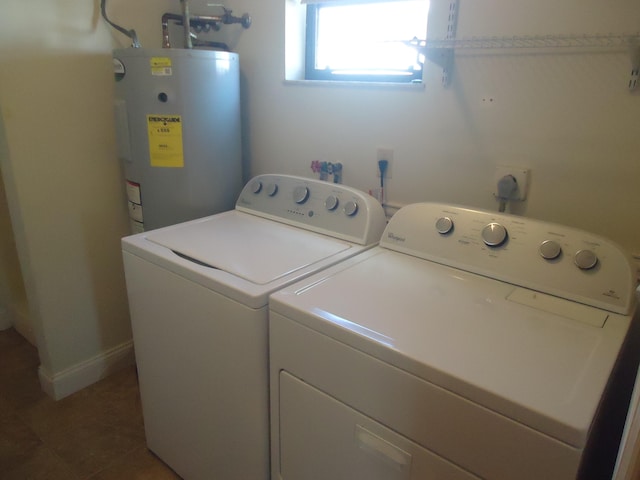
81 375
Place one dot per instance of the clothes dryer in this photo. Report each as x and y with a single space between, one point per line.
198 298
468 344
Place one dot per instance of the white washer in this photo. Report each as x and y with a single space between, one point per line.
467 345
198 296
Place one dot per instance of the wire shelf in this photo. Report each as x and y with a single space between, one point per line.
441 51
536 41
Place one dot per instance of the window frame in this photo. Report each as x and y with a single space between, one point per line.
313 73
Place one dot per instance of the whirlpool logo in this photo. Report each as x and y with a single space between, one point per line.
395 238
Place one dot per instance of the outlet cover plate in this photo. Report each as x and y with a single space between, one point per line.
522 178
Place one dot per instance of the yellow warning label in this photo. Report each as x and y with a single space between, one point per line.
165 140
160 61
160 66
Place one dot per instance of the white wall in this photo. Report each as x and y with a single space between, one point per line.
568 116
64 186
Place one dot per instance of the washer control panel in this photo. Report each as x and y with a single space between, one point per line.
549 258
327 208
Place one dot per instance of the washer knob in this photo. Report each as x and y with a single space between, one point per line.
350 208
331 202
256 186
494 234
585 259
300 194
272 189
550 249
444 225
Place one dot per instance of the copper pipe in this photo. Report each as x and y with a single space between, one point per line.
214 21
186 24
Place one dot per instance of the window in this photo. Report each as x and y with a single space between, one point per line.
356 40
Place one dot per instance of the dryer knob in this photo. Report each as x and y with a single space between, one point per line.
300 194
256 186
331 202
444 225
585 259
350 208
550 249
272 189
494 234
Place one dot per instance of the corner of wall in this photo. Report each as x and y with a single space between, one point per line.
5 320
81 375
295 18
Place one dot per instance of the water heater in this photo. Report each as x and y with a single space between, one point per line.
178 131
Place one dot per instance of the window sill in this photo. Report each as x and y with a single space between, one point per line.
351 84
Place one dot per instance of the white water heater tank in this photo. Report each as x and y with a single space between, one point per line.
178 131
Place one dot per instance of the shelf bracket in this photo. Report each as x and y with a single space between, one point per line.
443 57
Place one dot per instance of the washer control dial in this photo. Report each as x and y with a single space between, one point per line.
550 249
331 202
300 194
256 186
494 234
444 225
585 259
272 189
350 208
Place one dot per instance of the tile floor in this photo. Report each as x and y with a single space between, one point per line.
94 434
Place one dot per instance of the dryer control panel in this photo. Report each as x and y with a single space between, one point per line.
554 259
328 208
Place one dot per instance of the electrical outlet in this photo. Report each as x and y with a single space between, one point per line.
384 154
522 178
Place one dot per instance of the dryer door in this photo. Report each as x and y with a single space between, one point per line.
322 438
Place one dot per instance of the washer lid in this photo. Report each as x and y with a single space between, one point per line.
252 248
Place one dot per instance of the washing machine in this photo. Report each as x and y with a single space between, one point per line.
198 296
467 345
